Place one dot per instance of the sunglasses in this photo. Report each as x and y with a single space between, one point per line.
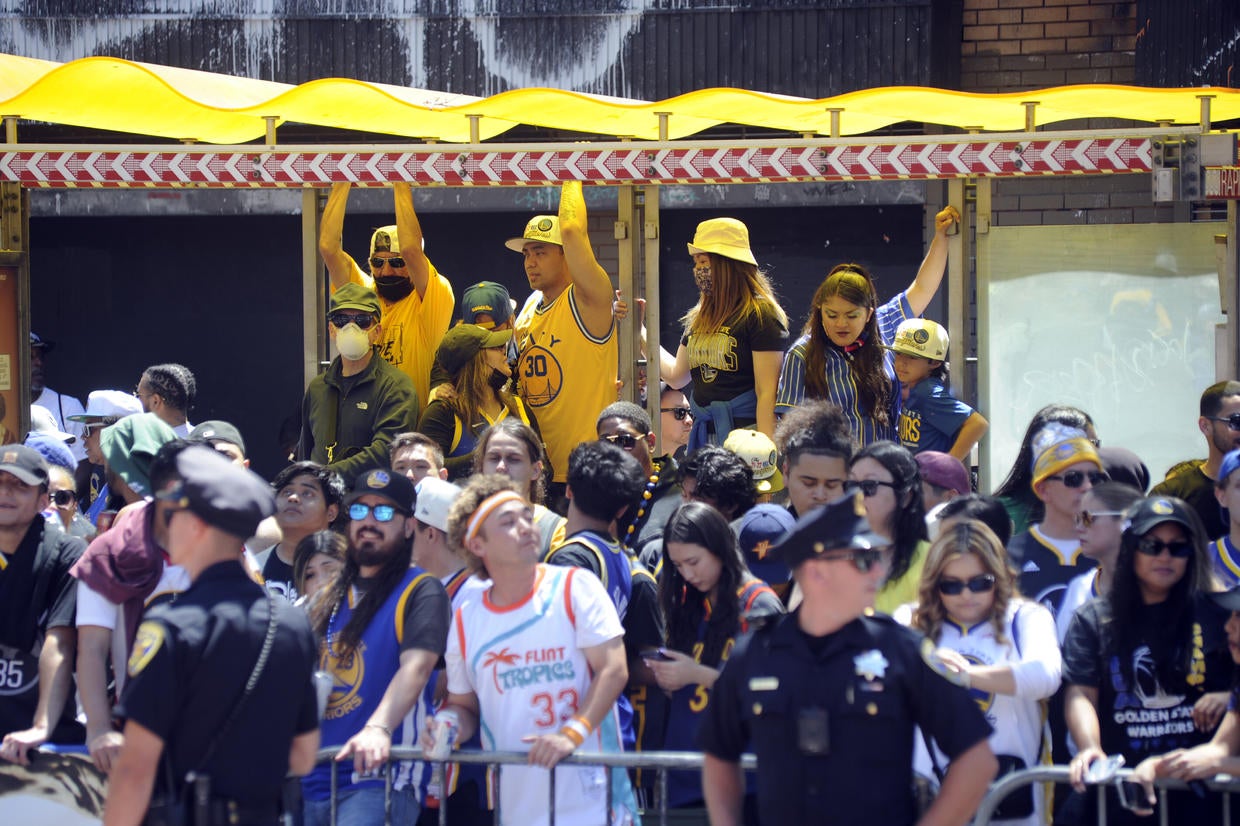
678 413
1086 519
1076 478
1232 421
395 263
863 559
1151 546
342 320
869 487
383 513
980 584
63 497
626 441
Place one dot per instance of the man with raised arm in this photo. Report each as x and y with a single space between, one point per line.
567 340
417 301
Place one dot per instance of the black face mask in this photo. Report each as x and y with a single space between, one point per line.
393 287
497 380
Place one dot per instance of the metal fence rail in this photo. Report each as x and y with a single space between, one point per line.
658 761
1010 783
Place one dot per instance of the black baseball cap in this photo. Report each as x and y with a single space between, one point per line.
394 487
223 495
26 463
218 431
1147 514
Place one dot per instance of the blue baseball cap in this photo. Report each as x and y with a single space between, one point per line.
1229 465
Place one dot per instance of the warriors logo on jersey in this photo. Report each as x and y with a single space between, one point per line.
347 673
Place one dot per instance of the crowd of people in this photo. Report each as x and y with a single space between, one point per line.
476 544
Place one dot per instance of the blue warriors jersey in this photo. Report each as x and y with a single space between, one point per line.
359 680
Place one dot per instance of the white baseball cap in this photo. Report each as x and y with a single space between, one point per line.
108 404
435 498
42 421
920 337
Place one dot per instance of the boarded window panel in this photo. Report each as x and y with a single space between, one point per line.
1108 318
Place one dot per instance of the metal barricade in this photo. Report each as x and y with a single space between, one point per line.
1007 784
658 761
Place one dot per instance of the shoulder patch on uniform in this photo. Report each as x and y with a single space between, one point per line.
146 644
931 658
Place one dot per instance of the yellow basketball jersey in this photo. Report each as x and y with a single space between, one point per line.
566 375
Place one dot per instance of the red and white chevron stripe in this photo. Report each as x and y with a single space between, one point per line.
304 166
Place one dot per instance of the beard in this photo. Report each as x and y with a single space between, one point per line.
369 548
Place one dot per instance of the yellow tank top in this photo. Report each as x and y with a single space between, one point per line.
566 375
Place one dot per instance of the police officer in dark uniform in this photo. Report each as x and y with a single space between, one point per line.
220 704
829 697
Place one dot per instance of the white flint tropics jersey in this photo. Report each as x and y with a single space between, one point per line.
525 664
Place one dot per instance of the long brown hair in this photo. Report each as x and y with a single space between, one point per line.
851 282
968 537
473 386
737 287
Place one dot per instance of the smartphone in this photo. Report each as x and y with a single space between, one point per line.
1100 771
1132 797
656 654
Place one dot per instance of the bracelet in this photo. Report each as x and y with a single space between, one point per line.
381 728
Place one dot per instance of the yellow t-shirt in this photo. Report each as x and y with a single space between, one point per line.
413 328
895 593
564 374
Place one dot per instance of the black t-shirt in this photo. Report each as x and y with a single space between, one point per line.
428 614
1138 715
36 594
190 664
278 577
722 362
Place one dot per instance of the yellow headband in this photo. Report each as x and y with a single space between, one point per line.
485 509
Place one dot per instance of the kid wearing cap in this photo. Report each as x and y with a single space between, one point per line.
931 418
1225 551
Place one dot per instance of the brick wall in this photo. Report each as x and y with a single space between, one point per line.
1010 45
1015 45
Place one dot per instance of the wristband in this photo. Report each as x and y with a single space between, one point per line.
584 722
381 728
572 734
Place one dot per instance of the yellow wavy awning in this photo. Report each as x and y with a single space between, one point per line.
161 101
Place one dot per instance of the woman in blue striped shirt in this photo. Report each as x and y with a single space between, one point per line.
839 356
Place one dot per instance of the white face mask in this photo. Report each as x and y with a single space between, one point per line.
352 342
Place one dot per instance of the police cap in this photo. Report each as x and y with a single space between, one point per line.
836 526
223 495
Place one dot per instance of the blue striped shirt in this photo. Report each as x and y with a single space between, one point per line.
841 386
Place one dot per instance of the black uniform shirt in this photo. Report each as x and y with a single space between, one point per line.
873 681
190 663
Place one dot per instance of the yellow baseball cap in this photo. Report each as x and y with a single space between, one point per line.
541 229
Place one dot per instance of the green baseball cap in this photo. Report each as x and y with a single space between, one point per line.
464 341
354 297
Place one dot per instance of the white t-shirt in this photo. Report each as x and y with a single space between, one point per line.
62 407
95 609
1081 589
1032 649
525 664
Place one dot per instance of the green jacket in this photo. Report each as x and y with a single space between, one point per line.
380 402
